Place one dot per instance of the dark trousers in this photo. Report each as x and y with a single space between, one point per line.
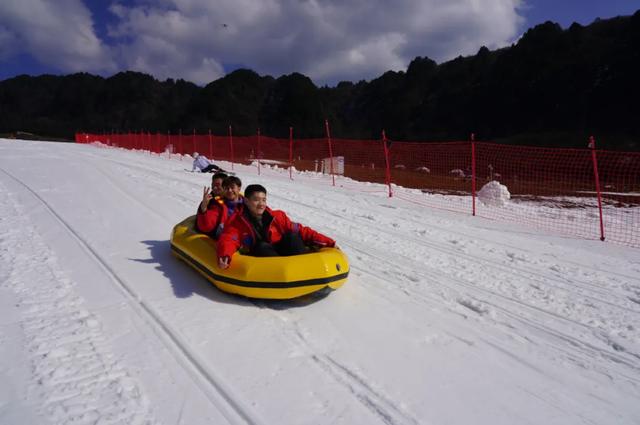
290 244
210 168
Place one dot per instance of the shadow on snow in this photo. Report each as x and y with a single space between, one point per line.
186 282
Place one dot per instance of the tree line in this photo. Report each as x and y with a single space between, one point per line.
553 87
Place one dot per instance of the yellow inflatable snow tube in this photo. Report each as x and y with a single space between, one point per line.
260 277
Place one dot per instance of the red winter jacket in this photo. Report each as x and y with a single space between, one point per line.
213 220
239 233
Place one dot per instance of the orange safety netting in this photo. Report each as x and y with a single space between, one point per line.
549 188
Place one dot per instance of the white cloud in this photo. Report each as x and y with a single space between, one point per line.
164 59
328 40
353 63
59 34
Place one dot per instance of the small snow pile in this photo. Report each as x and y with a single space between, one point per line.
494 194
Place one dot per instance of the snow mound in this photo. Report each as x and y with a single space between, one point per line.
494 194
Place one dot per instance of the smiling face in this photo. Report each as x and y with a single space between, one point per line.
256 203
231 191
216 187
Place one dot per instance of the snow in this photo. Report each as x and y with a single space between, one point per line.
445 318
494 194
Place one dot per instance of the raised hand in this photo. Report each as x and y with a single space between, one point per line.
223 262
206 197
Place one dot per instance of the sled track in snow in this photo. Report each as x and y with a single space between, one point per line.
480 304
216 391
616 355
73 372
375 402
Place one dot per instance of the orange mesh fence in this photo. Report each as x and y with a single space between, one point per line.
439 173
551 188
554 189
362 161
619 176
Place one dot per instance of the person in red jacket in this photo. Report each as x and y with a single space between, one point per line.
262 232
216 184
213 193
214 212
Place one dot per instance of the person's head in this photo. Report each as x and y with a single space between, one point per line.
216 183
195 155
231 188
255 198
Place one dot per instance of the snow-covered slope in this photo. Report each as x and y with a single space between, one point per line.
445 318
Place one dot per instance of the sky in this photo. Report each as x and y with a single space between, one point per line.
328 40
445 318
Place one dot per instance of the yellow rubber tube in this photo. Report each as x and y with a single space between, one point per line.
260 277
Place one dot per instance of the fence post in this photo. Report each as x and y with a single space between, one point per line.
258 152
290 152
594 159
326 126
171 148
193 140
231 144
386 159
473 174
180 144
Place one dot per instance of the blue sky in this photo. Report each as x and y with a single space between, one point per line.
583 12
328 40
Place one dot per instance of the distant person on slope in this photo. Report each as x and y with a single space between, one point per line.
214 212
204 164
262 232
